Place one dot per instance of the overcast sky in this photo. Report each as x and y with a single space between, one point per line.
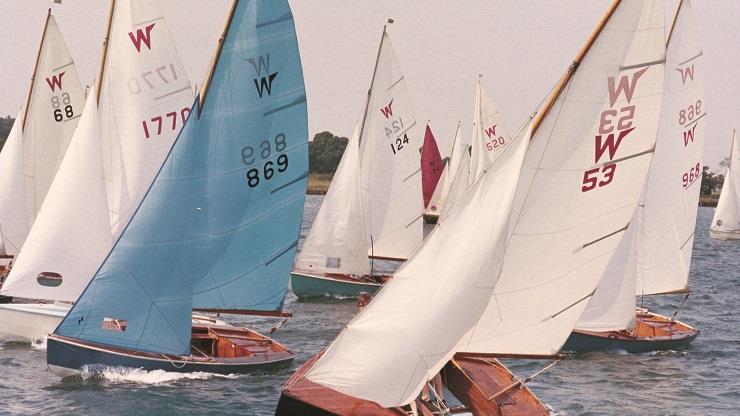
521 48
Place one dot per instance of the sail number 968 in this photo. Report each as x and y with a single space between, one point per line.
266 168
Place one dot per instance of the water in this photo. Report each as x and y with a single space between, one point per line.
703 380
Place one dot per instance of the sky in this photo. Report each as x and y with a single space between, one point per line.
520 47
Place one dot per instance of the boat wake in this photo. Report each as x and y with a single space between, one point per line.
140 376
39 344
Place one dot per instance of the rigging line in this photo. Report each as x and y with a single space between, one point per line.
673 317
563 94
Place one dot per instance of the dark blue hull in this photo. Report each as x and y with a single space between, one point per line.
581 342
69 358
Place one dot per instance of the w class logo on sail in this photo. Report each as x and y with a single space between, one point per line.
615 124
261 65
387 111
142 36
55 81
686 73
491 131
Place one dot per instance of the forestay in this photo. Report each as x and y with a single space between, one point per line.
338 241
222 217
391 176
44 129
727 215
527 277
142 101
489 134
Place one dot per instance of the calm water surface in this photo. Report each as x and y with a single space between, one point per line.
704 380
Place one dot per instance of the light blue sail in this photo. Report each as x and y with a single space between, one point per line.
219 226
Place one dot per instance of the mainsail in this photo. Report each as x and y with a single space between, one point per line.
674 182
141 101
655 255
489 134
390 172
338 241
40 137
572 202
727 215
222 215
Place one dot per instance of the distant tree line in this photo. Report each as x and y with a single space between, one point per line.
5 126
325 151
711 182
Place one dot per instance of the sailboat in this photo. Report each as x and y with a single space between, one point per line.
488 139
374 206
139 103
39 137
726 220
431 172
444 184
514 282
217 228
29 162
654 258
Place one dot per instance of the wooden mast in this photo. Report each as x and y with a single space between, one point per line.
673 24
372 82
207 84
35 69
104 58
560 86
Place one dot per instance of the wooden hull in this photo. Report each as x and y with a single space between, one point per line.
653 333
30 322
471 379
339 286
724 235
487 387
234 350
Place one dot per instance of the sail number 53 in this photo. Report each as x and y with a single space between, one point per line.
266 168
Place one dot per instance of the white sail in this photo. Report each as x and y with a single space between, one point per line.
143 101
573 231
489 134
658 256
385 347
448 175
53 108
13 221
337 242
726 220
391 175
674 182
460 183
612 307
525 278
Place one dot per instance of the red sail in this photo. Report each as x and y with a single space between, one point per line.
431 166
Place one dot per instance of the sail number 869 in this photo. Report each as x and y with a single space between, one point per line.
264 152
